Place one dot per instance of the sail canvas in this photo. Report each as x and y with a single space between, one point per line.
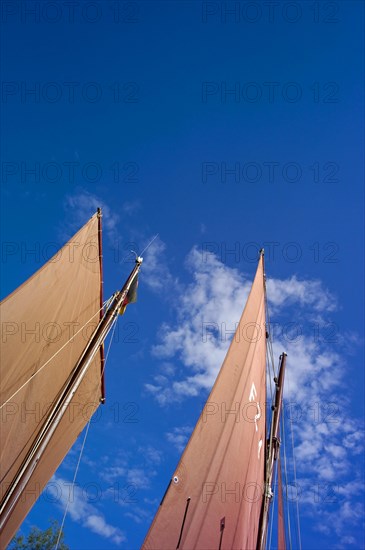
46 324
215 494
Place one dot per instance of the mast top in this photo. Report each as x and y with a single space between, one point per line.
262 252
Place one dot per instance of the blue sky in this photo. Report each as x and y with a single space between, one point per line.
217 131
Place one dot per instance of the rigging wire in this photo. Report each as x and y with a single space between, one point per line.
286 478
295 481
149 244
269 350
106 304
144 250
84 440
271 521
269 347
269 375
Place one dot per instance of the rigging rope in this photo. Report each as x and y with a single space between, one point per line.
270 359
271 521
295 481
269 350
84 440
149 244
269 347
106 304
144 250
286 477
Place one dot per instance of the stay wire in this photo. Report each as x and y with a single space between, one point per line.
271 521
269 352
84 440
269 347
295 481
286 477
149 244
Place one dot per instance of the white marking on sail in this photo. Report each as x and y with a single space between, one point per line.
259 450
253 393
258 415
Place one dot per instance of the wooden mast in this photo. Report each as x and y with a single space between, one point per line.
272 454
68 391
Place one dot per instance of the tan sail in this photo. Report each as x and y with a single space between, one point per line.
38 320
215 495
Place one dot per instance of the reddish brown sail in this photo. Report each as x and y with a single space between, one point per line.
215 495
46 324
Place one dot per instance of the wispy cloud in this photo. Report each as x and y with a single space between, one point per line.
310 293
208 310
139 475
152 456
156 272
132 473
130 208
179 437
82 205
82 511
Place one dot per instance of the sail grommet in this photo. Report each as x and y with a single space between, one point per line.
175 479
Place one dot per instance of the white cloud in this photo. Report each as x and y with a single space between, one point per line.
97 524
138 478
355 441
208 312
346 514
151 455
82 205
81 510
134 472
156 273
130 208
345 541
179 437
113 473
139 515
308 293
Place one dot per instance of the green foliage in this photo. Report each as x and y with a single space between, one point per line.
39 540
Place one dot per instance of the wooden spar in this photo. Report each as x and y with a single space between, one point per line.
272 454
60 406
102 358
